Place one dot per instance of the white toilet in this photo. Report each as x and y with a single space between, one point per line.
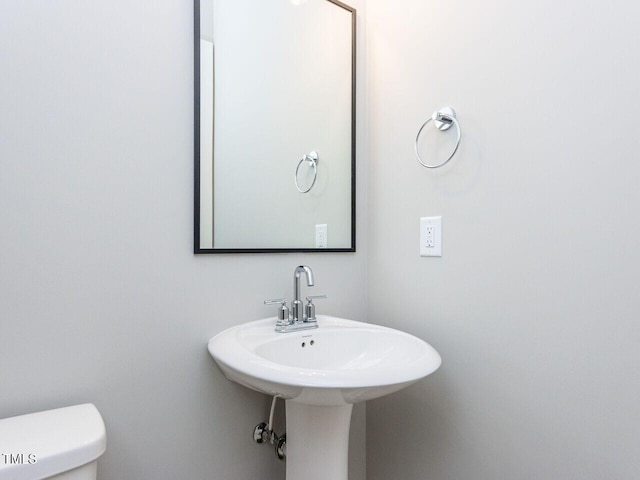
60 444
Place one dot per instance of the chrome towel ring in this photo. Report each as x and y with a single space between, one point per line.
442 119
313 159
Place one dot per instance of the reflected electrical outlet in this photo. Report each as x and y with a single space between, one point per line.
321 236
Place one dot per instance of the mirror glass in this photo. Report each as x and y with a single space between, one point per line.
275 126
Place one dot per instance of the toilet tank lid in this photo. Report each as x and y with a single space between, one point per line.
38 445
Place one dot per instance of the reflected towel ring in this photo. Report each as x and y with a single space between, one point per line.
442 119
313 159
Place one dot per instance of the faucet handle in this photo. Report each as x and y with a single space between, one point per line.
273 302
311 298
283 310
310 308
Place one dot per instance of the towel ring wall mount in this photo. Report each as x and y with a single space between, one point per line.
312 158
443 120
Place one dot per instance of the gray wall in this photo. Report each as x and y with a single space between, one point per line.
534 304
101 299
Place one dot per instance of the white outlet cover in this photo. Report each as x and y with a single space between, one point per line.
321 236
431 236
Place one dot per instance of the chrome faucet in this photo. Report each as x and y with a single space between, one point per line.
302 317
297 308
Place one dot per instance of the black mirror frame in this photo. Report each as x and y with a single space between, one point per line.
197 249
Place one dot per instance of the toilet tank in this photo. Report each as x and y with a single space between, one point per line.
44 444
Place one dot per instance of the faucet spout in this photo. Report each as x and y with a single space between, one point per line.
297 306
300 270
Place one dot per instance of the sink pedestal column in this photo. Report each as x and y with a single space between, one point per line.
317 441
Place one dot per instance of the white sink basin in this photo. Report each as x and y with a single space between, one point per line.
341 362
321 373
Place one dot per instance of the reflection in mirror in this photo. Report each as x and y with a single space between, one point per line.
275 126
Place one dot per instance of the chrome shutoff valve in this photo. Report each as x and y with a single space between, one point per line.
281 447
260 433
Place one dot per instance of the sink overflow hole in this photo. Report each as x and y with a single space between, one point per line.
304 344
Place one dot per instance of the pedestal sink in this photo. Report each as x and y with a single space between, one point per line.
321 373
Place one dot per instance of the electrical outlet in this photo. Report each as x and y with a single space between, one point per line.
431 236
429 240
321 236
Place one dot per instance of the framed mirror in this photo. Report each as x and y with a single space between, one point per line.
274 126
